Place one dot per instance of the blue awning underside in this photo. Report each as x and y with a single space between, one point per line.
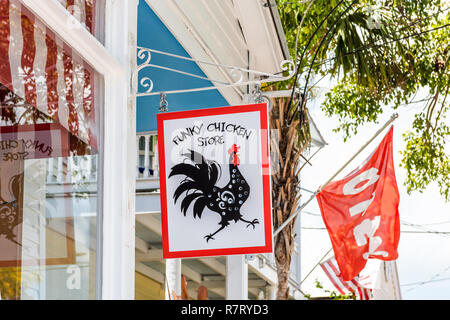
153 34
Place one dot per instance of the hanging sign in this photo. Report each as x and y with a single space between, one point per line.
215 183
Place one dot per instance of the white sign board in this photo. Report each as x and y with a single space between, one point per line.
215 182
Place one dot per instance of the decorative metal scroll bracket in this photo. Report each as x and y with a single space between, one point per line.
144 58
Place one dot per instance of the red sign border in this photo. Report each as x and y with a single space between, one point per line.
268 247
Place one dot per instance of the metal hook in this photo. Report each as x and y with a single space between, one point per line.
258 97
257 94
163 104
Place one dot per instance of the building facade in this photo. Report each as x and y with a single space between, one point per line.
243 34
79 187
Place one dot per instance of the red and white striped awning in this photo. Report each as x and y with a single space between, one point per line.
83 11
38 66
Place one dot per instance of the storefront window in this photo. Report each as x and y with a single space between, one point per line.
88 13
49 147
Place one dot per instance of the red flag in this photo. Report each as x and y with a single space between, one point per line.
361 212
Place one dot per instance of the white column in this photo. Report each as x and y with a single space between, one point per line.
137 156
51 170
33 231
271 293
119 158
60 174
89 167
70 167
147 156
156 157
173 277
237 278
95 166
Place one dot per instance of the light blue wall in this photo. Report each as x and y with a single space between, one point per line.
153 34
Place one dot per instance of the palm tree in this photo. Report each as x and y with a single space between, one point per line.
288 141
345 44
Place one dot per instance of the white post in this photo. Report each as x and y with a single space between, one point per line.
51 169
70 168
155 158
89 167
138 138
271 293
95 165
237 278
173 278
119 159
147 156
60 174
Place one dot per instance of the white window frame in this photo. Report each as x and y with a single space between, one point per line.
117 166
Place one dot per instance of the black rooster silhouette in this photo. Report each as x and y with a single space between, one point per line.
201 178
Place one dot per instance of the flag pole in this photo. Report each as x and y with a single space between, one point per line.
288 220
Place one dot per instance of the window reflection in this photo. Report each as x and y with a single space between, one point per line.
48 207
87 12
49 120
